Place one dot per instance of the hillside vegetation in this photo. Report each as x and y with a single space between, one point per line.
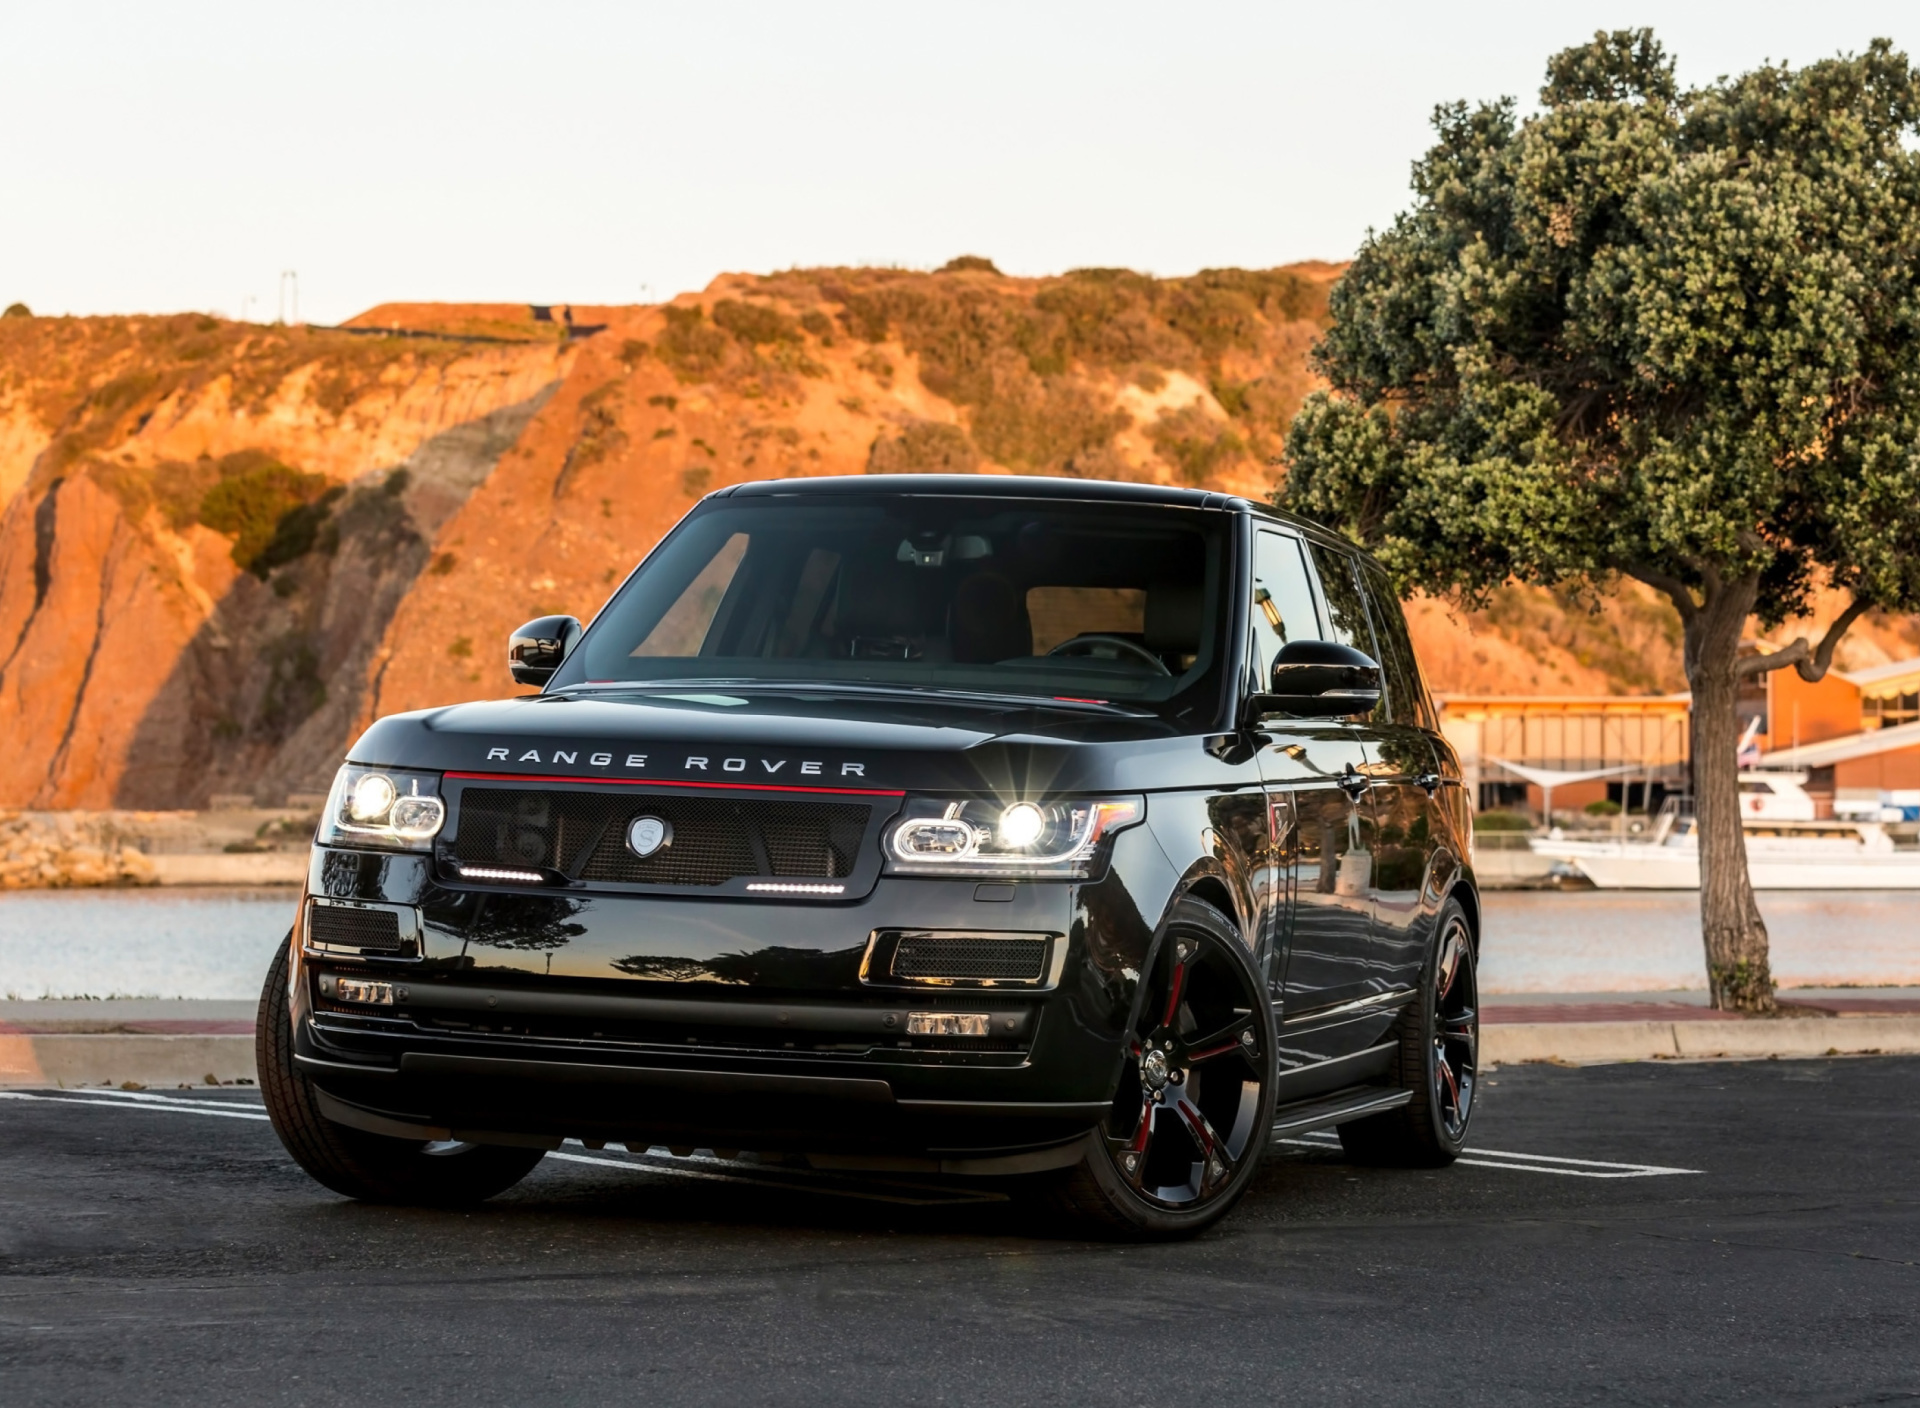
225 548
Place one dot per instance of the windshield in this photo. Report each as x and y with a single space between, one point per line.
1081 601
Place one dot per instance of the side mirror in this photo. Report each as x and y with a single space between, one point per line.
1317 679
536 650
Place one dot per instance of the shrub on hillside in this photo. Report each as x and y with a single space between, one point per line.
924 447
754 324
1195 444
968 264
692 348
272 510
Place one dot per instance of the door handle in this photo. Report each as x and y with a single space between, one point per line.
1428 781
1353 783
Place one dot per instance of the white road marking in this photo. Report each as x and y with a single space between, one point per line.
1530 1163
179 1107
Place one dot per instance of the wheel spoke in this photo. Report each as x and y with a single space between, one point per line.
1448 1080
1216 1164
1232 1037
1177 982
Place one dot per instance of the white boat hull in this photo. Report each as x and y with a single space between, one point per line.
1680 870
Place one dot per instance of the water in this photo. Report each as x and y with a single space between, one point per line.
1620 941
187 942
216 943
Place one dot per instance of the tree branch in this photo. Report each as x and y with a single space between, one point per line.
1812 662
1671 587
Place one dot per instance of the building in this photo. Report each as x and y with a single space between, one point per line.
1855 733
1575 733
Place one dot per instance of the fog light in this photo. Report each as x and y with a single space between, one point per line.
361 990
947 1023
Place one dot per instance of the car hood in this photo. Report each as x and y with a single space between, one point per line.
885 743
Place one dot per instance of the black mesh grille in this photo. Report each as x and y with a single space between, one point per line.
927 956
354 928
715 839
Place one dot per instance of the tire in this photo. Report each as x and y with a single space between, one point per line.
371 1167
1437 1059
1200 1059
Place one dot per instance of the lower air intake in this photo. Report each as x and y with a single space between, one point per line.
963 958
339 927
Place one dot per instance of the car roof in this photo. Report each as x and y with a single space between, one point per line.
1022 486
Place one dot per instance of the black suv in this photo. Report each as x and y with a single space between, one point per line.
1091 835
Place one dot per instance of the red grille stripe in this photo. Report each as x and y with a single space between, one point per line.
660 782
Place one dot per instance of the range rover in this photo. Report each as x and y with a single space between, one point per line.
1086 836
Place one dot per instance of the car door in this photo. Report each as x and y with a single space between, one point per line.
1404 772
1314 775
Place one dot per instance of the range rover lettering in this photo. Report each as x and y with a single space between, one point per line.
1086 836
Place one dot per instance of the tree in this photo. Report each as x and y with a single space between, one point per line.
1671 335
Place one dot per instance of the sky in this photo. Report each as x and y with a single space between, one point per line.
170 156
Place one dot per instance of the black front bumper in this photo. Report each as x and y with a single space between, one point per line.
527 1017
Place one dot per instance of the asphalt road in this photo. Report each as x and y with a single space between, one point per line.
158 1252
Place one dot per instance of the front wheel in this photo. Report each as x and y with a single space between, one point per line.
1194 1108
371 1167
1438 1059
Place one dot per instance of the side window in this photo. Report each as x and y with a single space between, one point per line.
1347 612
1347 621
1407 692
1282 599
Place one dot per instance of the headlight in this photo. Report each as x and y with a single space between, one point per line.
386 807
1044 840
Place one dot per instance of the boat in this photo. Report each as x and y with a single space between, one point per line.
1788 847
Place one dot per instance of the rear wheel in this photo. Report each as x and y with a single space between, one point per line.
371 1167
1195 1104
1438 1060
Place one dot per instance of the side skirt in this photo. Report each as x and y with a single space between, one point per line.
1330 1110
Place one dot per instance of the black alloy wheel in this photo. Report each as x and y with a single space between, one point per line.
1194 1107
1455 1069
371 1167
1438 1060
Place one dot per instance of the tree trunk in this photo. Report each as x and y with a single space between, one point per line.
1738 973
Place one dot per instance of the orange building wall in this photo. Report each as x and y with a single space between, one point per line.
1886 771
1798 712
1571 798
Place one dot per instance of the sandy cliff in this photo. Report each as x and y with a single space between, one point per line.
225 548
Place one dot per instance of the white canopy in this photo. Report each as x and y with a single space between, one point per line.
1549 778
1546 779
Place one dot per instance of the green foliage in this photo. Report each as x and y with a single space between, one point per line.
817 323
968 264
272 510
1665 333
695 479
691 347
461 648
924 447
1195 443
1668 334
754 324
17 310
672 403
1602 806
444 563
1501 821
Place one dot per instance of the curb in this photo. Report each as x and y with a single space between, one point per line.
1582 1043
112 1059
73 1059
